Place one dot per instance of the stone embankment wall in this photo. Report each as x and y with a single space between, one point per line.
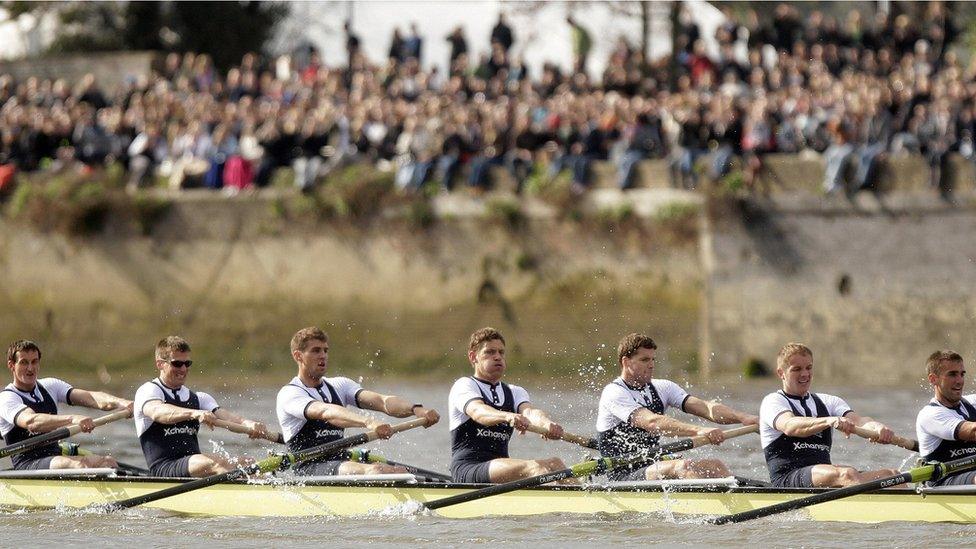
873 283
872 287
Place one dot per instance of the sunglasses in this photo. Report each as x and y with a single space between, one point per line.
180 363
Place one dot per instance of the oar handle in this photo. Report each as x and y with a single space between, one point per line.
273 436
585 442
101 420
906 443
403 426
729 433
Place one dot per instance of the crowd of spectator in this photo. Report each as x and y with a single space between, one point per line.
854 90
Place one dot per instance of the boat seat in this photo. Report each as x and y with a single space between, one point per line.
730 482
99 472
395 478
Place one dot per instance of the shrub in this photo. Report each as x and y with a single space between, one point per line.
677 211
73 203
615 217
755 367
359 191
506 211
557 191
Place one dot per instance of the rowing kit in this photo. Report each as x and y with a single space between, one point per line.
405 493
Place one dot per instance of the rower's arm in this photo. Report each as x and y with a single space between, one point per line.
227 415
167 414
43 423
390 405
257 429
340 416
658 424
98 400
535 416
396 406
717 412
967 431
796 426
486 415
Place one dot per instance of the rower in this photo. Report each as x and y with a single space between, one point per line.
631 417
29 406
795 428
168 416
312 409
485 411
946 426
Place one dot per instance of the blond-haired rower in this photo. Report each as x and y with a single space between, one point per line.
795 428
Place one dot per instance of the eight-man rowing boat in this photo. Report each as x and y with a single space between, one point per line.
352 496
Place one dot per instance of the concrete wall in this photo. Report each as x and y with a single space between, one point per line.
873 290
110 68
873 283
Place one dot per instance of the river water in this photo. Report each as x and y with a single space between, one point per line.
431 449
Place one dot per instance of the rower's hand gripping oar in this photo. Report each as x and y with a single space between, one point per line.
272 436
586 468
931 471
273 463
366 456
585 442
873 436
59 434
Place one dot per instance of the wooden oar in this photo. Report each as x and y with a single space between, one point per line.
273 463
366 456
273 436
586 468
585 442
72 449
906 443
58 434
931 471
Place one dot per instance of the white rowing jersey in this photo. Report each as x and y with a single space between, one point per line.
775 404
153 390
618 401
468 388
936 423
12 400
294 398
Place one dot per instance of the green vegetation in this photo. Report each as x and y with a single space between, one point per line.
616 218
224 30
76 203
755 367
507 211
556 191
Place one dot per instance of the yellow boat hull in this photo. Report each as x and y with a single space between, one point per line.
240 499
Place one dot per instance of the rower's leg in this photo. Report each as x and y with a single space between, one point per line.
509 469
83 462
868 476
838 476
205 465
687 468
